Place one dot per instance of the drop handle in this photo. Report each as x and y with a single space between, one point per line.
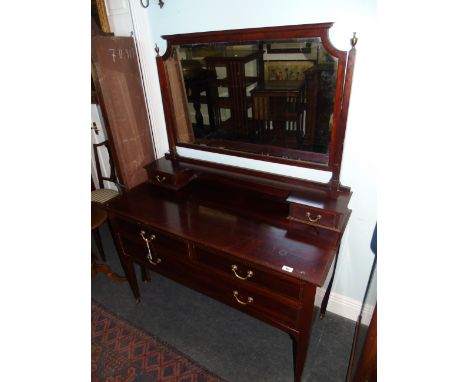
313 220
147 240
236 294
160 179
234 270
150 259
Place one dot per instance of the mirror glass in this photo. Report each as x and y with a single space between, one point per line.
272 98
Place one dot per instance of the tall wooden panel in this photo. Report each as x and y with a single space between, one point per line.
117 79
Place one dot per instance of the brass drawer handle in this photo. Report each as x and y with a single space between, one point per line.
160 179
149 255
249 299
234 269
313 220
150 259
143 235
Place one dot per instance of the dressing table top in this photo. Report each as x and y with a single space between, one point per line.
198 219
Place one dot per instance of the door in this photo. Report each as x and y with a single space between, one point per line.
99 135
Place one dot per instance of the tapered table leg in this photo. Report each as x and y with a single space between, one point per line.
127 264
301 340
97 239
145 274
129 269
323 306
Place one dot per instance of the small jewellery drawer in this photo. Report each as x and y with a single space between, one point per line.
152 241
162 178
313 216
167 174
246 274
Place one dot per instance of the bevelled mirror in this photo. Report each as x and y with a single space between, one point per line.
273 94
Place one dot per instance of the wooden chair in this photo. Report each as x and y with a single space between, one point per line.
100 196
98 218
277 112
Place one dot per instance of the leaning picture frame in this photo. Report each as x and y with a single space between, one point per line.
286 70
301 47
99 14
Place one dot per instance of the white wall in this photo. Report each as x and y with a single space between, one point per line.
358 170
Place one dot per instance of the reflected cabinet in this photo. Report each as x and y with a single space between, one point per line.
261 100
259 242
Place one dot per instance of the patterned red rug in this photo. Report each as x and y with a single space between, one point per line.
122 352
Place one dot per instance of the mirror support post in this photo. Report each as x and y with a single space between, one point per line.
336 169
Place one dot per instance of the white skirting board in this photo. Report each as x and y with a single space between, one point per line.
345 306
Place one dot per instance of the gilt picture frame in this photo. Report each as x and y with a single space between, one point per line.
99 13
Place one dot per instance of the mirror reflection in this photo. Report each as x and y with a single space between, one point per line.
270 97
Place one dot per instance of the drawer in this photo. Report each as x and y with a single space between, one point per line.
313 216
161 262
234 292
158 242
167 174
250 300
246 274
163 179
258 304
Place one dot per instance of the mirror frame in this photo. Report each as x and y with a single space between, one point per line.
344 74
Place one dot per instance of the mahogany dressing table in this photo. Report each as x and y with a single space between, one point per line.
259 242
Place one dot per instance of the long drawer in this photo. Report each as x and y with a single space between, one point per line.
232 292
156 261
246 273
260 295
252 301
153 241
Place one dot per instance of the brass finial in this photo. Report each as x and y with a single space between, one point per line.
354 40
156 48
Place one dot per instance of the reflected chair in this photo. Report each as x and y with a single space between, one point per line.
277 112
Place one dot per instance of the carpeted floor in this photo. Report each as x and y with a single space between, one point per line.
123 352
227 342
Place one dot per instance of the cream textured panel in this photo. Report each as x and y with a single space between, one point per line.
179 101
103 195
